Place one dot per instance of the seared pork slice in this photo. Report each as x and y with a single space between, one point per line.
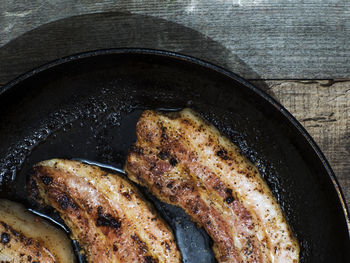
186 162
24 237
106 214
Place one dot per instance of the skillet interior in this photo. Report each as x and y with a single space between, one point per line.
88 106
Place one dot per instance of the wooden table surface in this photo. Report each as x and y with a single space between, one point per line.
297 51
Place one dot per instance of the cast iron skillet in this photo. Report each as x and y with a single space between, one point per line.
86 106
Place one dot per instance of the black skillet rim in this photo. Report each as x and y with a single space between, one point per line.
208 65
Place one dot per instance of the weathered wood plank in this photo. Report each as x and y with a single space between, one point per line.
281 39
323 108
98 31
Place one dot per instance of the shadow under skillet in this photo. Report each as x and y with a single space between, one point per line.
111 30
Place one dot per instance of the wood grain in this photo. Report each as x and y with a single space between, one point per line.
323 108
277 39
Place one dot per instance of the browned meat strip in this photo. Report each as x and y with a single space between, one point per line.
25 237
186 162
106 214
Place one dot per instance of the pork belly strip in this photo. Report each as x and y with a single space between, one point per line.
105 213
186 162
25 237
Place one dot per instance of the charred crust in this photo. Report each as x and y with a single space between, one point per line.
229 199
107 220
170 185
137 239
222 153
164 136
149 137
150 259
185 121
249 248
195 209
167 247
115 247
5 238
173 161
141 245
66 202
163 154
89 209
152 166
193 206
137 150
7 227
228 191
47 180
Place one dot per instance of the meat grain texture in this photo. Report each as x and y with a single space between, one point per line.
25 237
105 213
186 162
